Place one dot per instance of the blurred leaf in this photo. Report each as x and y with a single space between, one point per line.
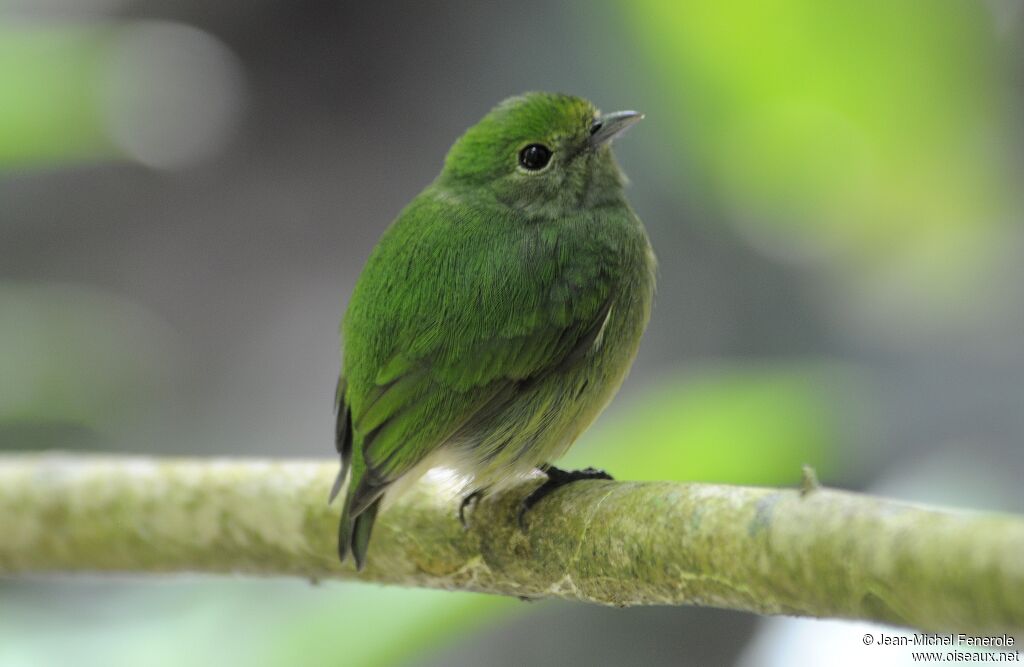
373 625
50 83
232 623
843 129
741 425
158 92
75 357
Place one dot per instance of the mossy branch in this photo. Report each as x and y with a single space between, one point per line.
814 552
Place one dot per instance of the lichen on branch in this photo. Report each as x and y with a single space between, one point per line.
815 552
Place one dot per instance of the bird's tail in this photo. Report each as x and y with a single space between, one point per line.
357 516
354 531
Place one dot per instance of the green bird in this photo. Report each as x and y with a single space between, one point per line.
498 314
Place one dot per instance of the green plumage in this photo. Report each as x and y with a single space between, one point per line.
498 314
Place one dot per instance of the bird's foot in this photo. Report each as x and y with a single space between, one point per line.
470 499
557 478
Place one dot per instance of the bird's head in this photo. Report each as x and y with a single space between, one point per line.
542 153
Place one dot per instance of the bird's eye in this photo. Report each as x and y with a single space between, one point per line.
534 157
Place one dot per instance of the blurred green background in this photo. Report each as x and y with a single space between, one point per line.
188 191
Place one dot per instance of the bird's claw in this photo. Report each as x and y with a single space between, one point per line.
470 499
557 478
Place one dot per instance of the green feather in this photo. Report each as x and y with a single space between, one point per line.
498 314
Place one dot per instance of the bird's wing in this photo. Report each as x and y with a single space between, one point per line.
453 314
342 437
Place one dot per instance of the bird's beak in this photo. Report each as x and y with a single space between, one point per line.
611 125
